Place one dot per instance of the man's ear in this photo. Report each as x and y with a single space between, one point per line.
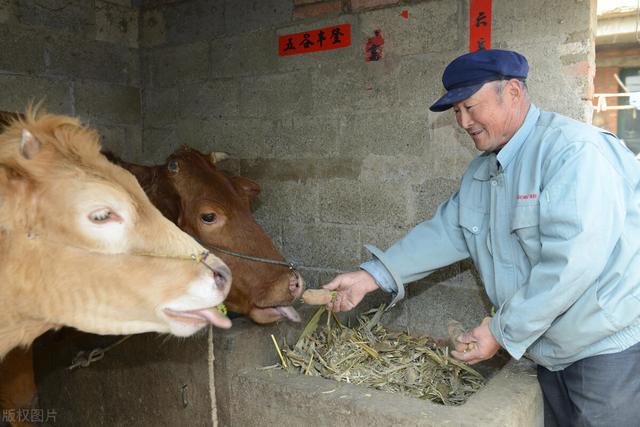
515 90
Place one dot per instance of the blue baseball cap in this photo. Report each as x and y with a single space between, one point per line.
466 74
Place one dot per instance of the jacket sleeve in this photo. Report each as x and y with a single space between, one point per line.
582 211
430 245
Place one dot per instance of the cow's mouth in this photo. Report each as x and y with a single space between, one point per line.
288 312
209 315
272 314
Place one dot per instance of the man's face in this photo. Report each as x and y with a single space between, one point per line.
489 117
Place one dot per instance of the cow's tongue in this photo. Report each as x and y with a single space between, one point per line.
289 312
210 315
214 317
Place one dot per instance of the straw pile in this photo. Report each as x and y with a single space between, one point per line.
371 355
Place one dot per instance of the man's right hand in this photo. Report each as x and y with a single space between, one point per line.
351 288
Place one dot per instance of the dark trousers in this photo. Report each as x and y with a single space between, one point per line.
597 391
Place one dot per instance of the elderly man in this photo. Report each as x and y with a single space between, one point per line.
550 215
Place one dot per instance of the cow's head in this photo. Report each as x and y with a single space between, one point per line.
78 219
216 209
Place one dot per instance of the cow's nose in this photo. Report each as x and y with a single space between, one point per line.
296 284
222 278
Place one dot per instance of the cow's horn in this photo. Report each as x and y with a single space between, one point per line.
218 156
29 145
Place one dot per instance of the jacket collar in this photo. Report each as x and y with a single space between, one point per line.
509 151
483 173
488 167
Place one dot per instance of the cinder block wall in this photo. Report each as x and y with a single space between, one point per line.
345 150
81 58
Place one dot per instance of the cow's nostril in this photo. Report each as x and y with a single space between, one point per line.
222 277
219 279
295 285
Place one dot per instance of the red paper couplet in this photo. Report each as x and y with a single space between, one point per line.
479 25
315 40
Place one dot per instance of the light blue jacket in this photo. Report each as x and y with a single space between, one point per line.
552 223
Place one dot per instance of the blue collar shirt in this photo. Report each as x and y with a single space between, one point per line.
552 223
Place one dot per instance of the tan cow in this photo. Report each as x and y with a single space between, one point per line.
69 222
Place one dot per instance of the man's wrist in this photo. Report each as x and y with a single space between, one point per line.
380 275
370 282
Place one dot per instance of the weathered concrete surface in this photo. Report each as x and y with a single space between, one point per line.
142 382
250 396
150 370
19 91
108 103
149 380
79 58
273 397
117 23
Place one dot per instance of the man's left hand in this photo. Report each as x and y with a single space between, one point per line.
486 345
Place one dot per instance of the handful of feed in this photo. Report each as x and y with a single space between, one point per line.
455 329
369 354
318 296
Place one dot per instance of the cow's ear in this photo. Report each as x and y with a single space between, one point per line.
218 156
144 174
249 187
29 145
141 172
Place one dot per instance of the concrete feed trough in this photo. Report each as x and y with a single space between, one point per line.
250 396
152 381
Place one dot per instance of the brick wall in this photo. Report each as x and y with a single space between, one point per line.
609 62
605 82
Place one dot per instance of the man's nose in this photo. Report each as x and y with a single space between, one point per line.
464 119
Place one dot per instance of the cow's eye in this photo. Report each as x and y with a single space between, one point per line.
103 216
173 166
208 218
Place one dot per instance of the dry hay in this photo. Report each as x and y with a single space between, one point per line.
372 355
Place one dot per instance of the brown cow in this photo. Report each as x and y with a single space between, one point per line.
17 385
81 245
216 209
